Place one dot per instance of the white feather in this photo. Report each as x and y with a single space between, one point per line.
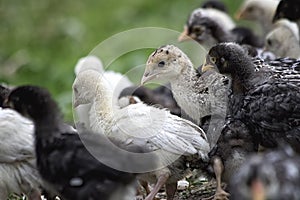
18 173
219 16
139 123
283 39
291 25
88 62
116 81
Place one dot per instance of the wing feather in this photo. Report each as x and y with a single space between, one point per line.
160 128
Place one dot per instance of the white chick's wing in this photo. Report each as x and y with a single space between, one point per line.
159 128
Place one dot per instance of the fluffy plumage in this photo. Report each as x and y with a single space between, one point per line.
127 100
88 62
200 97
244 35
265 100
283 39
17 160
144 125
18 172
117 82
259 53
216 4
261 12
64 159
274 175
208 32
233 146
192 29
289 9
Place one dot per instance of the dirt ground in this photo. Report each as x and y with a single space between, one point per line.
197 191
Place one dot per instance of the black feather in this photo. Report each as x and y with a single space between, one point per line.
76 166
289 9
266 100
216 4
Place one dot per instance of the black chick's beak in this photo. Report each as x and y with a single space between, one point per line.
6 103
208 65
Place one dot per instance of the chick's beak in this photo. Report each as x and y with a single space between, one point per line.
6 104
238 15
184 36
208 65
257 190
148 76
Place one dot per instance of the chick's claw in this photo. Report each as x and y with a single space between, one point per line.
221 195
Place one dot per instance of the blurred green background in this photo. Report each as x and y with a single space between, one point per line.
41 40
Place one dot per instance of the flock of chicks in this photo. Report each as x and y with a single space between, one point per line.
236 118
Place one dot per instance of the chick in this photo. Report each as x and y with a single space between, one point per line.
288 9
273 175
173 138
261 12
85 166
283 40
266 101
18 171
117 81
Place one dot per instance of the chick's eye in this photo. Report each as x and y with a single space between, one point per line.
198 29
161 64
213 59
269 42
250 9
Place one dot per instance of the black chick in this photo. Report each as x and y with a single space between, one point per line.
245 35
4 92
233 146
161 96
216 4
289 9
207 31
274 176
268 102
72 163
258 53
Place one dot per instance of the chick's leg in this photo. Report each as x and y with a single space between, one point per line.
162 179
218 169
220 194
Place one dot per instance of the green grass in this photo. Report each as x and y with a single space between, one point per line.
40 41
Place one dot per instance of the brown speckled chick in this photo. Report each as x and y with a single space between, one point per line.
201 97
